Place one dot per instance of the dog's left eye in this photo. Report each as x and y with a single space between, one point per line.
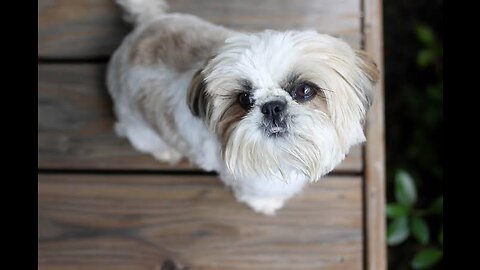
303 92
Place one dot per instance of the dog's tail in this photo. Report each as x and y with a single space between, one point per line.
142 11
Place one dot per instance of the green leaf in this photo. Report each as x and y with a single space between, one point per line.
425 35
420 230
405 191
437 206
425 58
426 258
395 210
397 231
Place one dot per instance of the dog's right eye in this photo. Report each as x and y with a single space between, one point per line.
303 92
245 100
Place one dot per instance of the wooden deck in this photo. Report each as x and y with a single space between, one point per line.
102 205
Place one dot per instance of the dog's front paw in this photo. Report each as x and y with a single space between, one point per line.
171 156
267 206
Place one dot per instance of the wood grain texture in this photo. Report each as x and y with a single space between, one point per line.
142 222
70 29
75 125
375 196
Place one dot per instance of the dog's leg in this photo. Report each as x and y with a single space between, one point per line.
146 141
264 196
262 205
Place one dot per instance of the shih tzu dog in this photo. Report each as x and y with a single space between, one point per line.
268 111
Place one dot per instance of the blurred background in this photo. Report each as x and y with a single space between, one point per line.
414 122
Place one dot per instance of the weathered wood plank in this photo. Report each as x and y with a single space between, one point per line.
375 195
139 222
75 125
91 29
79 28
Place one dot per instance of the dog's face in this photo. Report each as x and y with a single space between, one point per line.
284 102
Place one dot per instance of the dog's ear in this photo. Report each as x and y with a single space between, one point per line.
369 75
197 97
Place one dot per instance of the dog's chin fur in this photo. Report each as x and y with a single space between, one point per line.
176 79
311 148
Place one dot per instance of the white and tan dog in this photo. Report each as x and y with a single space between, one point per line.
268 111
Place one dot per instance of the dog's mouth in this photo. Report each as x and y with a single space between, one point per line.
276 129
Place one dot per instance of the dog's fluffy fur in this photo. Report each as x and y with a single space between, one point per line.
176 80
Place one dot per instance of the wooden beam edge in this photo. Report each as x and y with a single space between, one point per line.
375 178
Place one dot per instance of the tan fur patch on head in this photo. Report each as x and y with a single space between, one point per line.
370 70
368 66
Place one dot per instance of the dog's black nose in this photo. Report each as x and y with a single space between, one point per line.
273 108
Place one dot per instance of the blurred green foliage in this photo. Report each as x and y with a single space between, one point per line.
408 220
415 172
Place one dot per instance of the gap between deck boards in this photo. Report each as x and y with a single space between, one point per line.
159 172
